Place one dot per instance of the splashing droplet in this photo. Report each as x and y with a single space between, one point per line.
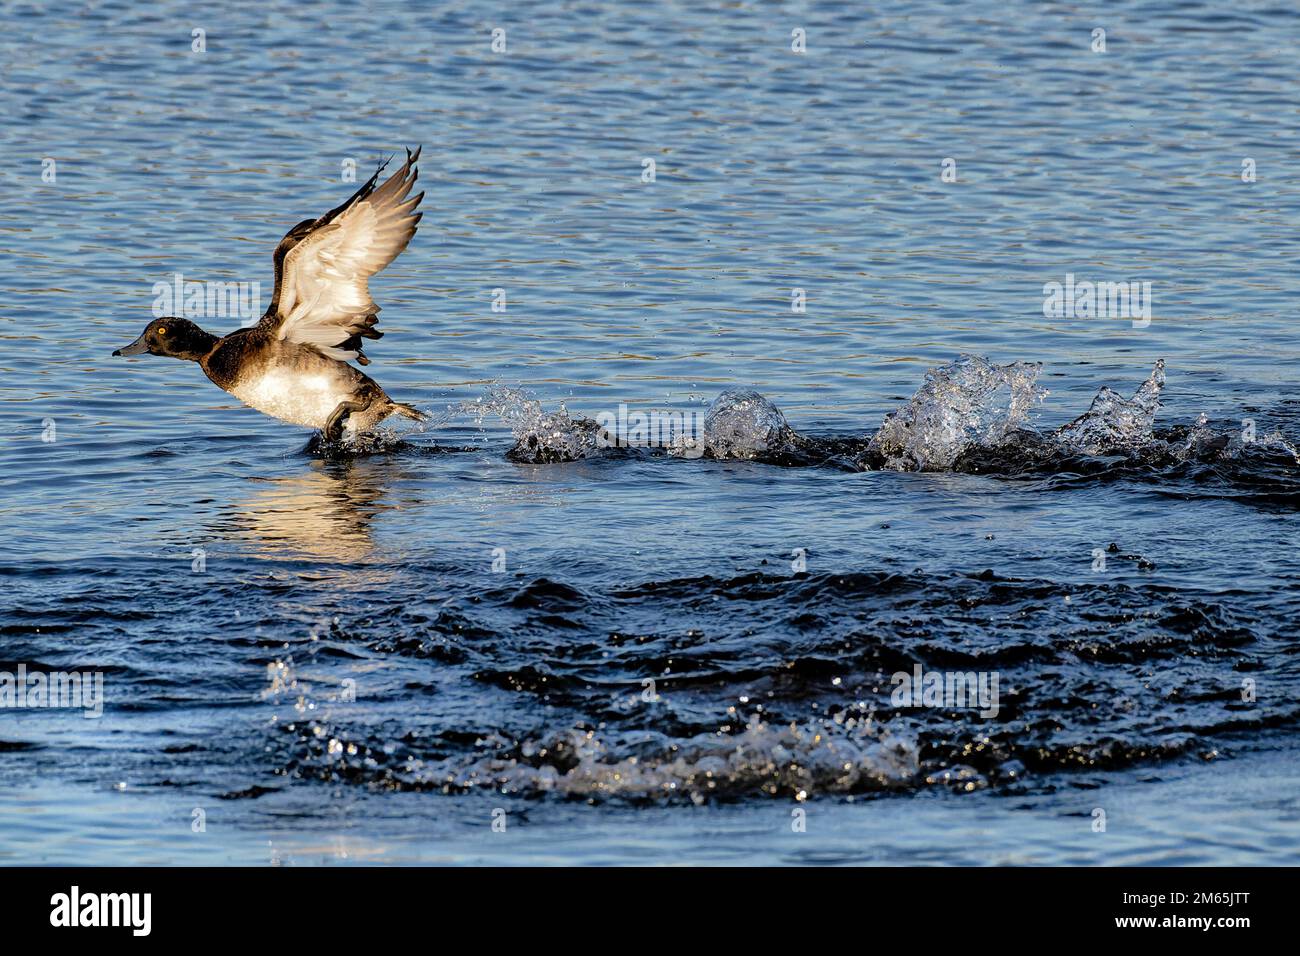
1113 422
967 403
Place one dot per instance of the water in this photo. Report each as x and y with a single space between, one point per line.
663 654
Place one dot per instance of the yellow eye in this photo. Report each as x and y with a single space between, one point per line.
162 330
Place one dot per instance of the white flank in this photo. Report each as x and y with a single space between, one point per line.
303 399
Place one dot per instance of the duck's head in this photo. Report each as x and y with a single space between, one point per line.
170 335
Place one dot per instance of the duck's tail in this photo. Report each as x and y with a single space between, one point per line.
409 411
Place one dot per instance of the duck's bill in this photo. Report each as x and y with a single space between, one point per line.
135 348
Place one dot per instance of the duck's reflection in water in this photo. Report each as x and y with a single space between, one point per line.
324 512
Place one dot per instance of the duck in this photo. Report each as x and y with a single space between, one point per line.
294 364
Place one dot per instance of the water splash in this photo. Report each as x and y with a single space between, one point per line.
1273 440
773 759
845 754
380 440
969 415
540 436
741 423
967 403
1114 423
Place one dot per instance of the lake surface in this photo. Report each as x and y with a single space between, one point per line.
461 647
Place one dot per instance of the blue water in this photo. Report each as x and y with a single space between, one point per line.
515 694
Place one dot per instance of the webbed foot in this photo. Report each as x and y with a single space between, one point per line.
333 430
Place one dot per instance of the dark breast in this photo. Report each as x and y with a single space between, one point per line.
241 354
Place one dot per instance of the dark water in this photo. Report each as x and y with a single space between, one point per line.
372 657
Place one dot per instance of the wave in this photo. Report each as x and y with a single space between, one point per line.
760 693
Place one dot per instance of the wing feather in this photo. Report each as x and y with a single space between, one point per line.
323 267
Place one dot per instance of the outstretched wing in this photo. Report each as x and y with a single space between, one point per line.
323 266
